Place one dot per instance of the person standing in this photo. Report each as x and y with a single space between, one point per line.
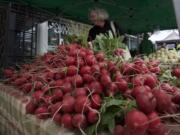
101 25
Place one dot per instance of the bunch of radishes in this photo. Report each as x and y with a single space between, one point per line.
70 84
176 71
153 99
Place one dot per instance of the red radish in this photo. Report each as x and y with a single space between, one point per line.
112 67
49 76
136 122
82 104
128 68
26 66
68 78
80 62
67 87
95 69
96 101
102 64
27 87
20 81
70 61
112 89
57 95
57 119
79 121
73 52
127 78
68 104
167 87
38 85
62 73
154 120
8 73
119 52
26 76
154 63
89 52
140 90
77 80
52 83
66 121
104 71
155 70
141 69
146 102
173 108
163 100
59 83
126 131
118 130
37 95
82 53
96 87
57 76
72 70
122 85
100 56
176 89
139 61
80 92
105 80
13 78
92 117
158 130
150 81
55 108
31 107
128 93
176 98
85 70
118 75
90 60
47 99
176 72
148 88
42 112
45 89
138 80
88 78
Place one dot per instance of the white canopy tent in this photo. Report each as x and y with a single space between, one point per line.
164 35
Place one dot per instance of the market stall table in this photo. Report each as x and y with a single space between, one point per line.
15 121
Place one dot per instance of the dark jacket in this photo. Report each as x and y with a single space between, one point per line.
96 30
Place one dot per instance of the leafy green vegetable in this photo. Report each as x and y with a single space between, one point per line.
111 125
90 130
80 39
112 109
166 76
107 43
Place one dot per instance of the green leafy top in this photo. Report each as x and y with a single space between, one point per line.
113 111
107 43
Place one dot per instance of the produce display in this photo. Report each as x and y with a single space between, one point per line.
165 56
113 47
90 94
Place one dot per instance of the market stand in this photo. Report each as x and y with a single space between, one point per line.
11 99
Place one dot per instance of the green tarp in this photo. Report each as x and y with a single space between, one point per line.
133 16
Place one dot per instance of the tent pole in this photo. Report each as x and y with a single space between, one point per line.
176 4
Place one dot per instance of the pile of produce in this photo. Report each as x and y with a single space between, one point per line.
113 47
83 91
165 56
